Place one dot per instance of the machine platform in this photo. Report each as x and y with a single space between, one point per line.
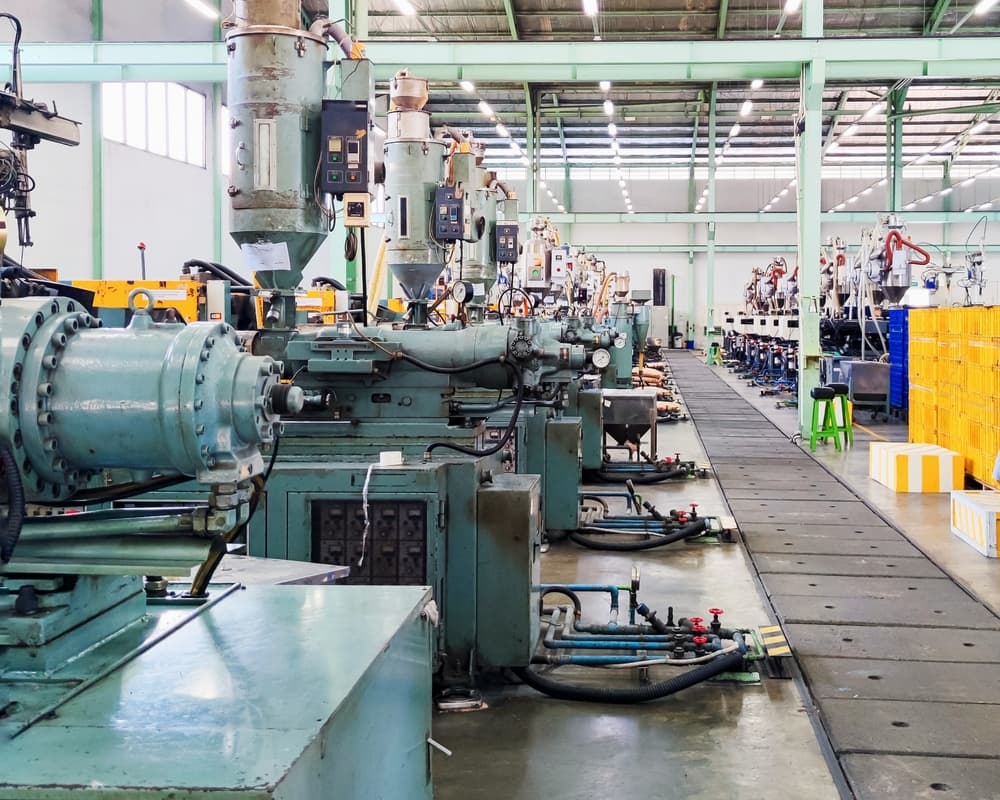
276 692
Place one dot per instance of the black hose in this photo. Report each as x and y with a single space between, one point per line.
364 274
10 528
511 426
510 291
274 457
688 531
321 279
218 270
640 694
566 592
655 477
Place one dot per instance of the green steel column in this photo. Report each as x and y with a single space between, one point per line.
710 231
692 229
215 134
945 183
530 181
361 20
897 97
812 19
97 153
809 171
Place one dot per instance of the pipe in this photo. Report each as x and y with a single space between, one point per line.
688 531
641 694
334 30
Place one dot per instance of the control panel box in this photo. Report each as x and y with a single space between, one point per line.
505 242
559 265
356 210
449 223
344 147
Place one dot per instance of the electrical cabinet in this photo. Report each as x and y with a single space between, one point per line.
506 243
448 215
344 147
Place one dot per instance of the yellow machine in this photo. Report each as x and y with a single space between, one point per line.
173 299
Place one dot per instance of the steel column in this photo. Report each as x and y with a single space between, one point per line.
812 19
710 228
97 154
808 156
897 97
531 145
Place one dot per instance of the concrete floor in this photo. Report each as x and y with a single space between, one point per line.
923 518
712 740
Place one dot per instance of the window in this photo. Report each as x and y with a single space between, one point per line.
166 119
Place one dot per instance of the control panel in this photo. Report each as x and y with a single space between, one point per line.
506 243
344 146
559 265
448 215
356 210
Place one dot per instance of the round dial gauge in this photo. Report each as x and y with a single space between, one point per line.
601 358
620 342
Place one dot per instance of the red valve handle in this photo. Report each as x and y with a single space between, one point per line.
700 640
715 611
696 620
699 629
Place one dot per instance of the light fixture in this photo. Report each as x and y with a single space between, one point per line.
524 160
605 86
968 181
946 191
783 192
502 132
852 199
979 127
867 191
734 131
590 8
484 109
983 6
878 108
840 207
621 184
617 159
923 158
882 182
756 83
402 6
609 108
515 147
612 129
985 206
615 146
909 206
203 8
767 207
792 6
562 209
793 181
630 211
468 86
542 185
853 129
926 198
746 108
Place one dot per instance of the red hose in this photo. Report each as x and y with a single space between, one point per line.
896 236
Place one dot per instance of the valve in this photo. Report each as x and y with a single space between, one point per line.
699 629
694 510
699 644
716 624
695 621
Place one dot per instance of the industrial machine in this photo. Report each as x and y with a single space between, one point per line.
87 646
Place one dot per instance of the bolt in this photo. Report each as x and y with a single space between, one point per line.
71 325
52 444
204 355
45 418
210 341
198 404
211 462
200 378
45 390
199 429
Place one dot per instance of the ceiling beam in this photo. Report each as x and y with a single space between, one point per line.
934 18
723 13
862 60
508 10
831 134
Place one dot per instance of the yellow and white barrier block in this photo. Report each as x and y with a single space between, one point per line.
916 467
975 518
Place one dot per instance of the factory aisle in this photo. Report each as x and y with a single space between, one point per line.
715 740
903 662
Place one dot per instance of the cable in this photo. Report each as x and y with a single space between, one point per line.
688 531
15 74
510 291
364 271
274 455
10 528
654 691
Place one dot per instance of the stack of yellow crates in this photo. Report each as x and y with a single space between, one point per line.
955 384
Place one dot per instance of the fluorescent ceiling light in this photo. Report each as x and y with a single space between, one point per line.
793 181
923 158
746 108
621 184
883 182
630 211
767 207
909 206
612 129
968 181
852 199
609 108
605 86
853 129
524 160
515 147
541 185
783 192
979 127
878 108
984 206
403 6
467 86
867 191
792 6
590 8
926 198
734 131
756 83
484 109
840 207
617 159
615 146
203 8
502 132
946 191
562 209
983 6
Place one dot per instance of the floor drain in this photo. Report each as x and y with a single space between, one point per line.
968 644
940 787
847 639
899 724
827 606
874 677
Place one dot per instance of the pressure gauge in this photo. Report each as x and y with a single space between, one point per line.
601 358
620 342
462 291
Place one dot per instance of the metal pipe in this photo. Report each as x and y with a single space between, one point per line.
42 529
121 662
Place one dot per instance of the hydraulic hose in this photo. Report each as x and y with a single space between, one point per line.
115 493
565 592
511 426
218 270
321 279
657 477
10 529
688 531
640 694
